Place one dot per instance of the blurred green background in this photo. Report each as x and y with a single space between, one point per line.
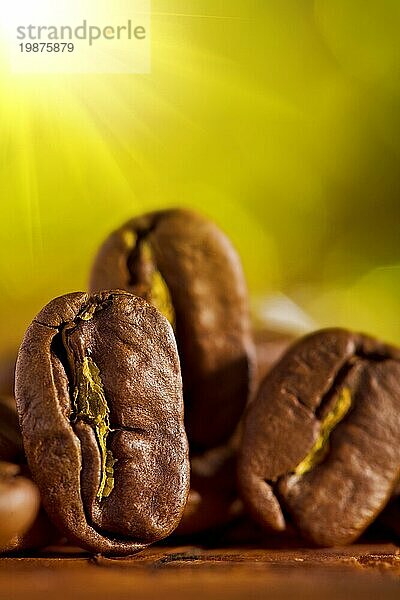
277 118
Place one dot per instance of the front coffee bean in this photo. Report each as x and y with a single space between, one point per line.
99 394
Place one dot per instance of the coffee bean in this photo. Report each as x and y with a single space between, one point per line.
185 266
98 390
321 443
19 506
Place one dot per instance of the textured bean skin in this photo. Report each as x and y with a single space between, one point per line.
334 501
136 367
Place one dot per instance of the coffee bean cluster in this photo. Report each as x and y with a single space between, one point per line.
148 408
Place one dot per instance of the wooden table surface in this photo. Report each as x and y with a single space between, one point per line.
370 570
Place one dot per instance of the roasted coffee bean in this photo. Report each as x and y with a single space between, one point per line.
99 394
185 266
321 442
19 506
11 449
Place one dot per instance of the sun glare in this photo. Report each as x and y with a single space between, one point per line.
20 12
16 13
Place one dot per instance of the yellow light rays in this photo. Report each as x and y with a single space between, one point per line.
115 120
20 191
247 116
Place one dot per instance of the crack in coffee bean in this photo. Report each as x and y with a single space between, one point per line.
145 278
91 406
321 445
89 400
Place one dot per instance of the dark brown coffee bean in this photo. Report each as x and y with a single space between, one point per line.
185 266
11 449
99 394
19 506
321 441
